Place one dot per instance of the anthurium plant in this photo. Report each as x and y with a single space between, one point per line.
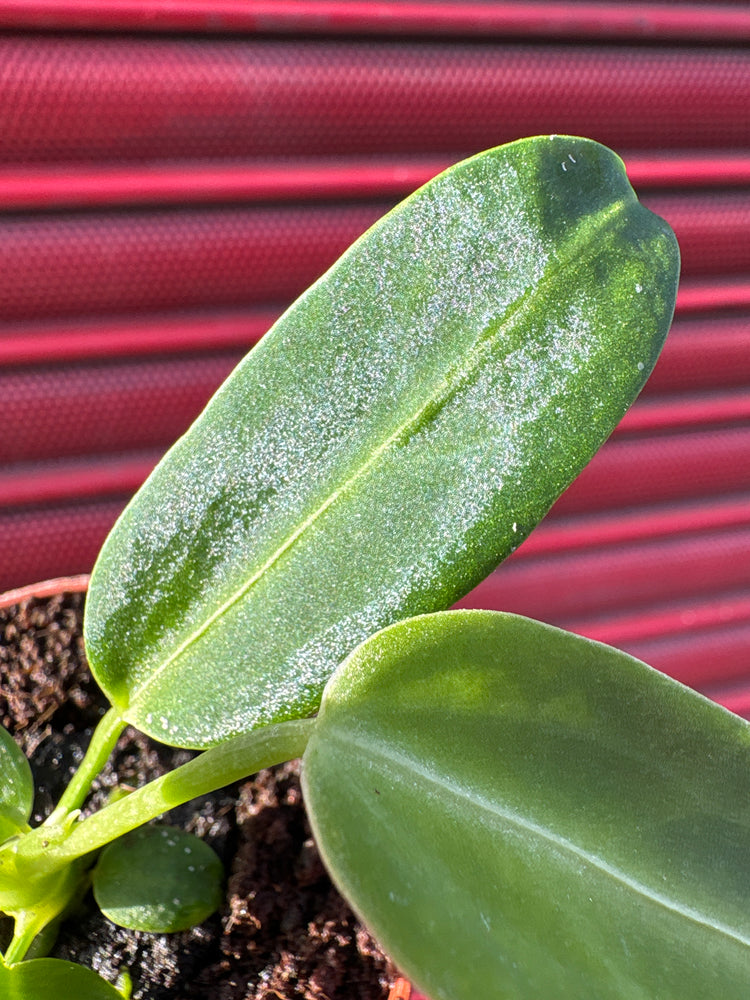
515 811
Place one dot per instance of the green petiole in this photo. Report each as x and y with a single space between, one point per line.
102 744
214 768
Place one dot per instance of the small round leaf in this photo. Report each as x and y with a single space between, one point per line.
158 879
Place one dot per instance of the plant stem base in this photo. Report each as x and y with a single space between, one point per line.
282 923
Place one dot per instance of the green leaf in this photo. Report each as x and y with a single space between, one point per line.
399 432
16 787
47 978
517 812
158 879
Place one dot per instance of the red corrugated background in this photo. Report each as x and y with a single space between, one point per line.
172 175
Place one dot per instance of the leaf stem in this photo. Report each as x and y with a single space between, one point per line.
220 765
26 928
102 744
49 896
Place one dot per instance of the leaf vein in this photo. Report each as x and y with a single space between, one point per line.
402 762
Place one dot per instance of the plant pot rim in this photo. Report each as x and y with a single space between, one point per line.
46 588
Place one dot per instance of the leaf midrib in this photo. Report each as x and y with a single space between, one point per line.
443 391
371 749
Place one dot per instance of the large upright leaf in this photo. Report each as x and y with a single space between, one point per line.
399 431
522 814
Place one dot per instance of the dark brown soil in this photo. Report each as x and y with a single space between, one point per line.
284 932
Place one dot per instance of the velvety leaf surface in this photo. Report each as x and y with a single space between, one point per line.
517 812
158 879
53 979
398 433
16 787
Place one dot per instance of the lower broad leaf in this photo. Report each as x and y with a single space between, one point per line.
158 879
518 812
48 978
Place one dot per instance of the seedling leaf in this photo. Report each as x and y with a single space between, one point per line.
158 879
45 978
16 787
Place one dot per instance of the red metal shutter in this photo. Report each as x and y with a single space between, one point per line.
172 175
